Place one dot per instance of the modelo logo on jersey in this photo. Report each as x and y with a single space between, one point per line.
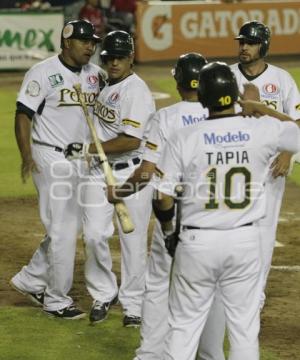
270 89
70 98
191 120
227 139
104 113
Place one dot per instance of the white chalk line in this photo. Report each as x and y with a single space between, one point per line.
286 268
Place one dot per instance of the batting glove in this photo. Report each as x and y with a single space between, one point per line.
76 151
171 242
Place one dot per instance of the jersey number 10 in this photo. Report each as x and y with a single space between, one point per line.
212 180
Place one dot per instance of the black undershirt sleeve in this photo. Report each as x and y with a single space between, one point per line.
21 108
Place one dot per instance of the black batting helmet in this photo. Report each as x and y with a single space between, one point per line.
186 70
79 29
218 88
117 43
257 33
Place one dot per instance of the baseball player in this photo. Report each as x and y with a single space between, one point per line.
167 121
279 91
121 113
48 104
223 171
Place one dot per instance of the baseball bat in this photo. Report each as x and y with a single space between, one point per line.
120 207
179 191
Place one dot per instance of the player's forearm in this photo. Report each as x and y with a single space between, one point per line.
137 181
164 210
23 134
276 114
120 144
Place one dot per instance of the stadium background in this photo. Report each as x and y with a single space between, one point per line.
25 333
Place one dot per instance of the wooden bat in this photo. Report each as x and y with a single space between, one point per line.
120 207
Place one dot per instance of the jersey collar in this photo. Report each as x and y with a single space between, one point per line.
71 68
251 77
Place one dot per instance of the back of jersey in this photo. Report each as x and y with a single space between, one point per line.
223 166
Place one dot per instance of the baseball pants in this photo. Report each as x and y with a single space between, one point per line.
98 228
155 309
52 265
206 259
268 225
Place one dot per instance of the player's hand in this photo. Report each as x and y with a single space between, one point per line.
252 108
171 242
76 151
281 164
251 92
28 166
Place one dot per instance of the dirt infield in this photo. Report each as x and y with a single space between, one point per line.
21 231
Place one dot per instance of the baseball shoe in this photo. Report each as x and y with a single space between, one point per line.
69 313
99 310
37 299
132 321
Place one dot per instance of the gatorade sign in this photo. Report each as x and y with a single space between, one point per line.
165 31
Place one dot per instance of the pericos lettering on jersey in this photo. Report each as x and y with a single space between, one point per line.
70 98
229 138
191 120
104 113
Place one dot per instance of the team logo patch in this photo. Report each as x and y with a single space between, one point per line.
56 80
113 99
92 79
270 89
33 88
297 107
68 31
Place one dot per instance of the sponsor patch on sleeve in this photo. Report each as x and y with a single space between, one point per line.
151 146
133 123
33 88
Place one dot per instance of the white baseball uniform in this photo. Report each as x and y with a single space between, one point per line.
223 170
122 108
165 123
279 91
58 120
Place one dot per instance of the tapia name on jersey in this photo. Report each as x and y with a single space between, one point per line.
227 157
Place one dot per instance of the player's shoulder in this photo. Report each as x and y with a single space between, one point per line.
274 69
234 66
45 64
136 80
91 67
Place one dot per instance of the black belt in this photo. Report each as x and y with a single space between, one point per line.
124 165
56 148
187 227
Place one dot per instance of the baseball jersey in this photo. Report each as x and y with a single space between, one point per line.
167 121
124 108
277 89
47 90
223 165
